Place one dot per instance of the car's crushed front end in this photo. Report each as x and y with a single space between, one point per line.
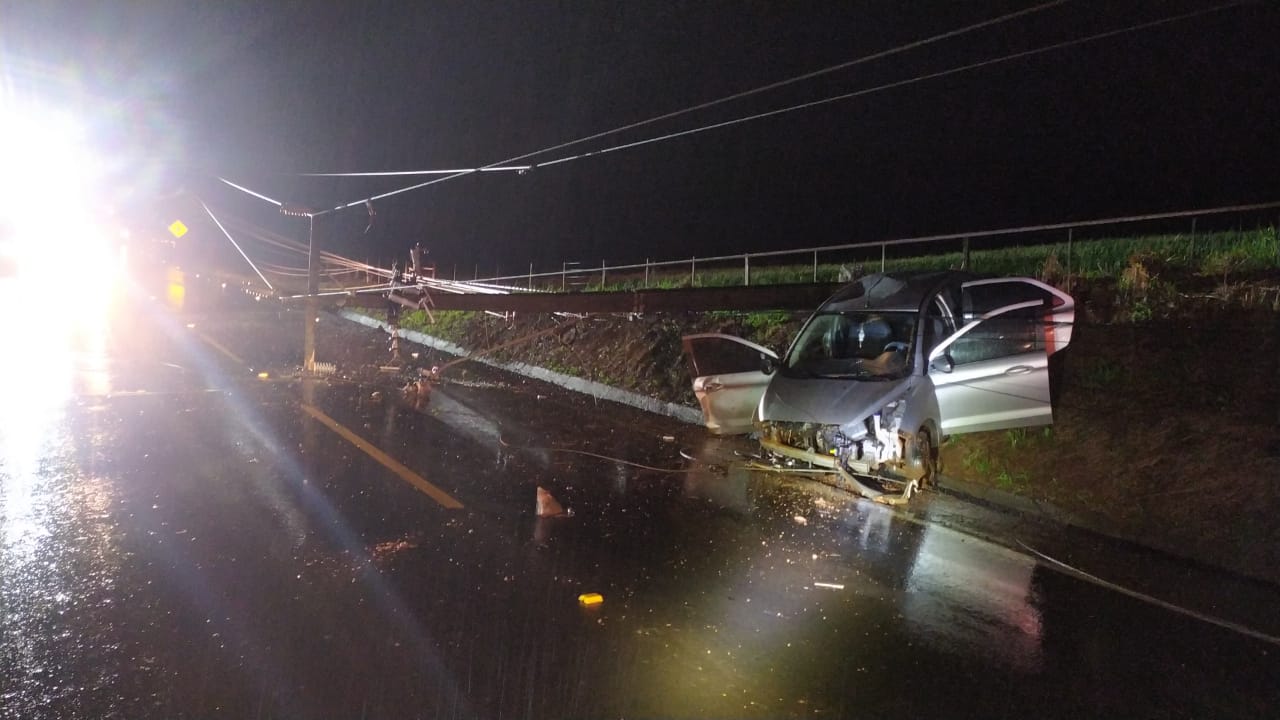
846 396
869 446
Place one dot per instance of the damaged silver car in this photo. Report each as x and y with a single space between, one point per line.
889 367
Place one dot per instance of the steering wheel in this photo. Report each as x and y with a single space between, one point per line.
895 345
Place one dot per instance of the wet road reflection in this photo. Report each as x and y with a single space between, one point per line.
184 553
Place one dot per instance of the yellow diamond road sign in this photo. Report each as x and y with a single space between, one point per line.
178 229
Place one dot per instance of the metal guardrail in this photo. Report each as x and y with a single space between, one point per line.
577 270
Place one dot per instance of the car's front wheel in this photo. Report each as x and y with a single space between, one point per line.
927 457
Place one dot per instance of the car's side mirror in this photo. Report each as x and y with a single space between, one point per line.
942 363
768 364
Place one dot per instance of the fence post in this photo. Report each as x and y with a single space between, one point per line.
693 269
602 274
455 272
1192 251
1070 235
964 258
646 273
475 275
883 247
815 266
564 266
746 269
530 276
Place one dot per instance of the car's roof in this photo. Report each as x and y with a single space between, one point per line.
901 291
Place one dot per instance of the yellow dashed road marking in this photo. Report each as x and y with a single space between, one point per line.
409 476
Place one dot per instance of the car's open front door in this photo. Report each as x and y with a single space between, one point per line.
728 377
993 373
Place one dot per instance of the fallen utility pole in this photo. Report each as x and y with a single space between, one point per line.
806 296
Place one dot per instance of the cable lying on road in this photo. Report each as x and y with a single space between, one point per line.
608 458
1227 624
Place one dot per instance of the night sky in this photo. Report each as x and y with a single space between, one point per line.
1170 118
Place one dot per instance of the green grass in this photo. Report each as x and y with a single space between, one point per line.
449 324
1221 254
1099 374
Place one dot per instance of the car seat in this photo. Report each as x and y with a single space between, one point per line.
874 334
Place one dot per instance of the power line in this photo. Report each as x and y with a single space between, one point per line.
728 98
897 84
260 196
459 171
237 245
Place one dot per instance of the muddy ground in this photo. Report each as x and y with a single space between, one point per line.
1167 427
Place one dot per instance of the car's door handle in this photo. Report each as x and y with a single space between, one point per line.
713 386
1019 370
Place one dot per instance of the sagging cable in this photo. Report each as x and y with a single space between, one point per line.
892 85
237 246
1226 624
246 190
609 458
401 173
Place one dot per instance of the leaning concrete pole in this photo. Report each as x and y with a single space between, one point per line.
313 287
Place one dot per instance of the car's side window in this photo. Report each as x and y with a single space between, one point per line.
982 298
1013 333
722 356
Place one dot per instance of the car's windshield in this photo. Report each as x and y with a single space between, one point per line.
868 345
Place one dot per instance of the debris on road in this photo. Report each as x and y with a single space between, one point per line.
590 599
384 551
801 520
547 505
829 586
417 393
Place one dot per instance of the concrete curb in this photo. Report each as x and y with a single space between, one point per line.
595 389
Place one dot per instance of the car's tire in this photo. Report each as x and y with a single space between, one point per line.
928 457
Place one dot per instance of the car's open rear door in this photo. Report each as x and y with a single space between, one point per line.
728 379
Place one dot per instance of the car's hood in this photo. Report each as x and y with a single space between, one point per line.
828 401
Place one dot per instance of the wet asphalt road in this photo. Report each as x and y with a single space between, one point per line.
180 539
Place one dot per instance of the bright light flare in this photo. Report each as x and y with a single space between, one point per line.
50 229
